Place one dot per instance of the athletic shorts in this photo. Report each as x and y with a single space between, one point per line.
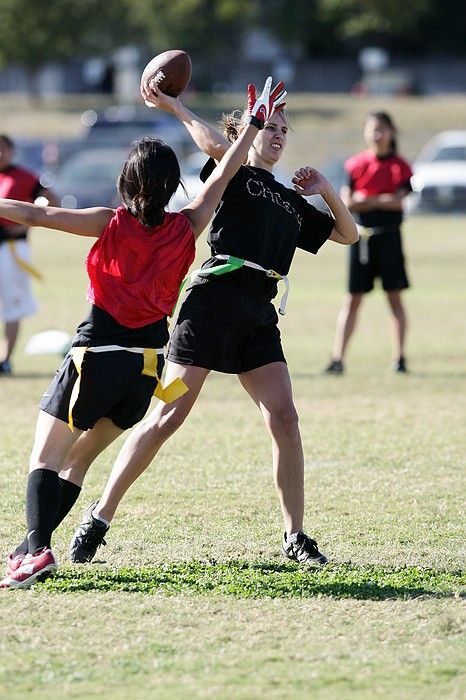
224 328
16 298
385 260
112 386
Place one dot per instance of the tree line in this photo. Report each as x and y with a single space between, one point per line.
59 30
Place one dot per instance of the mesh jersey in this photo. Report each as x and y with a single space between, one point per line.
135 271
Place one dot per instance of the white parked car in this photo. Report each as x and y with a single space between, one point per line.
439 180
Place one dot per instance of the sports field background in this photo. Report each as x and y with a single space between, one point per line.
191 597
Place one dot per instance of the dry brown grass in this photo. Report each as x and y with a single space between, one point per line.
325 126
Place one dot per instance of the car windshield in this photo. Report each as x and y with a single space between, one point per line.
450 153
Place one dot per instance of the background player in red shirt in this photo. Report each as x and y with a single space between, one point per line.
16 298
379 180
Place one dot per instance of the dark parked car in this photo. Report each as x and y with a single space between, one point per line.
121 125
45 156
29 153
88 178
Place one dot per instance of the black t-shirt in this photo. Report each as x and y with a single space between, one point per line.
100 328
262 221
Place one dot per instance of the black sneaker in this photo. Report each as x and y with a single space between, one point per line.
400 365
299 547
335 367
88 537
5 368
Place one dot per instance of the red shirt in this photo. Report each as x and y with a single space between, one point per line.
17 183
135 271
372 175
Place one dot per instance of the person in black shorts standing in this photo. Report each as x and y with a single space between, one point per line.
379 180
106 382
227 322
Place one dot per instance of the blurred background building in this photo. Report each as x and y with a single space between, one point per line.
316 45
86 57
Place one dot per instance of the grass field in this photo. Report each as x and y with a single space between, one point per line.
191 598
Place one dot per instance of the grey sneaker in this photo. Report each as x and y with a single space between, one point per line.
299 547
88 537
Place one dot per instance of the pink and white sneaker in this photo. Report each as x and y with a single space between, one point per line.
13 563
34 567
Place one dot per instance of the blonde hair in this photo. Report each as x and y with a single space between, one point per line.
232 123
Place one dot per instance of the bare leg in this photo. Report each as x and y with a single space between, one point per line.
87 448
147 438
53 440
398 323
270 388
11 335
346 322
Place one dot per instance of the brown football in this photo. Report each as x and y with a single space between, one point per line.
171 70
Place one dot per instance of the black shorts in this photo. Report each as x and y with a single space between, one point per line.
225 328
386 260
112 386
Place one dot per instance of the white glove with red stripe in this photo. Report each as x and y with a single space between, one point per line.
269 101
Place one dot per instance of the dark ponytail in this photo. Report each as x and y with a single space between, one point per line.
148 180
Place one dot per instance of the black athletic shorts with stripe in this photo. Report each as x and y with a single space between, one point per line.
386 260
225 328
112 386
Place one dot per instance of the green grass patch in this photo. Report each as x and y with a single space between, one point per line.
193 598
245 579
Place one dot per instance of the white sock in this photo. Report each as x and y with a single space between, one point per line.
99 517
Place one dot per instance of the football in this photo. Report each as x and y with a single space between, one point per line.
171 70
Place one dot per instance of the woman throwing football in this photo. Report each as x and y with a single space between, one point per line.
106 382
253 238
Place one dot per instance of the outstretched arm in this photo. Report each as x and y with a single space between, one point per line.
206 138
82 222
309 181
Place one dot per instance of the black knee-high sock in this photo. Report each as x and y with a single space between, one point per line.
69 494
42 504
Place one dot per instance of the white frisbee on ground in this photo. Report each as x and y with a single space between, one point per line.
48 342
